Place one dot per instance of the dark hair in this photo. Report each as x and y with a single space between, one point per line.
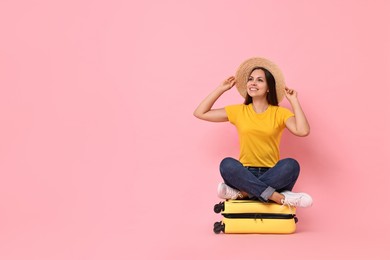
271 95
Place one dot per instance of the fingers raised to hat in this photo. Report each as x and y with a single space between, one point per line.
231 78
290 92
232 81
229 82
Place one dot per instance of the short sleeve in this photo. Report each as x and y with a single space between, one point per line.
232 112
284 114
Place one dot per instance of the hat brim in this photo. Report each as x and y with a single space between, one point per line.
244 70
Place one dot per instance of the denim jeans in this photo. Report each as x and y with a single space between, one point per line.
260 182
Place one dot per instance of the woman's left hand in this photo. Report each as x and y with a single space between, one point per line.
290 94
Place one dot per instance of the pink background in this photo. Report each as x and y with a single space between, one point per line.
101 158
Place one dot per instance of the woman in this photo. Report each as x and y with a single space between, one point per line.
259 173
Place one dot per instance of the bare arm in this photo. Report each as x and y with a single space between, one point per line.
298 124
205 112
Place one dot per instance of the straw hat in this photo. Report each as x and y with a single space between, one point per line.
246 68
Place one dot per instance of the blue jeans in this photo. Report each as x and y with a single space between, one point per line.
260 182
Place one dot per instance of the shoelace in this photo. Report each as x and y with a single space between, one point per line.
291 203
232 193
286 204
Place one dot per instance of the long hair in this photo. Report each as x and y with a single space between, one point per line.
272 98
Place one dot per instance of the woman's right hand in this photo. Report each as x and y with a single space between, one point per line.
206 112
228 83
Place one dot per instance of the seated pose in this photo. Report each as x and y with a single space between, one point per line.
259 173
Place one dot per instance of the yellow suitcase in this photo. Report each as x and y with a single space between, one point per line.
253 216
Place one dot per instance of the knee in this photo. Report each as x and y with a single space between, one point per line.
292 165
227 165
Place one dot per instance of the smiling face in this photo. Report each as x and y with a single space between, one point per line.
257 84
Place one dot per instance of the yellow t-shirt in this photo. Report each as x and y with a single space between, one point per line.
259 134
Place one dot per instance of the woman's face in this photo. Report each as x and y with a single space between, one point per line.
257 84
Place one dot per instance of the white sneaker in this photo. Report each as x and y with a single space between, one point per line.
297 199
228 193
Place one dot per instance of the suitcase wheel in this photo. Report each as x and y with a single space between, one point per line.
219 207
218 227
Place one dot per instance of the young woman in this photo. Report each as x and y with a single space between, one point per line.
259 173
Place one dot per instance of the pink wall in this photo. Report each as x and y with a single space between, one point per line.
101 158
